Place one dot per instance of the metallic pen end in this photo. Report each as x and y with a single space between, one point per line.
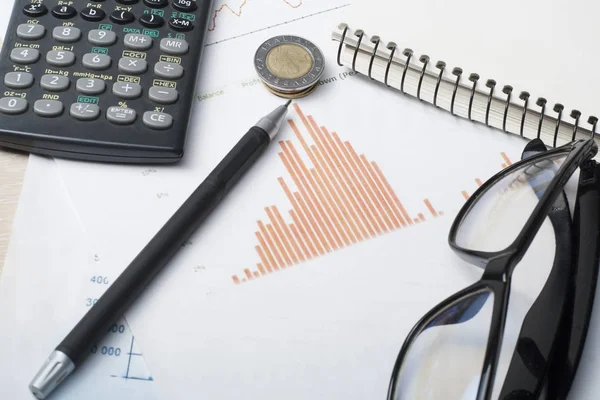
272 122
287 104
56 368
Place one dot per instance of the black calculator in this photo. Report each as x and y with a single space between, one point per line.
101 80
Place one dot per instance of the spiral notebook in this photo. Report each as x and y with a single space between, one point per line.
526 67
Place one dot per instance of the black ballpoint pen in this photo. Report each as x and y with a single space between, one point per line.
156 254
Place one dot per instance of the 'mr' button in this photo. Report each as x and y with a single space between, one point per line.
174 46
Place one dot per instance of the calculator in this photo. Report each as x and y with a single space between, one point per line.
101 80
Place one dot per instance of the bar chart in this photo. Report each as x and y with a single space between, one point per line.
338 199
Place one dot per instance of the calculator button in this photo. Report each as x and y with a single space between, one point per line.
174 46
48 108
157 120
180 24
84 111
66 34
136 41
120 115
18 80
35 10
156 3
101 37
96 61
60 58
168 70
64 12
54 83
184 5
24 55
31 31
152 21
122 17
134 66
163 95
90 86
13 105
127 90
93 14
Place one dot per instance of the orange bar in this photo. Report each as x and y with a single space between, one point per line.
478 182
248 274
355 197
256 274
391 191
506 159
281 235
301 235
368 183
261 269
359 182
304 210
342 202
430 208
421 217
389 203
280 249
271 246
264 260
266 248
236 280
304 225
327 153
318 237
323 219
465 195
325 162
328 202
288 234
337 218
503 165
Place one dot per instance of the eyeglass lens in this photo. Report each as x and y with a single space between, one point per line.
445 360
498 216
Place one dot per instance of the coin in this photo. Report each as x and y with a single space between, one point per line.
292 96
290 66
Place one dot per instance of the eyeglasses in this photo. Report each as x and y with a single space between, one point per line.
453 351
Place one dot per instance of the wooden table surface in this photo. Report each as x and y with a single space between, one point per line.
12 172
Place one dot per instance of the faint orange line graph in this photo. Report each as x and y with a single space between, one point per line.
238 13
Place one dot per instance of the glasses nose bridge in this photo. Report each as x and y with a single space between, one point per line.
499 268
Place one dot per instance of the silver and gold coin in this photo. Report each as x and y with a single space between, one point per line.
289 66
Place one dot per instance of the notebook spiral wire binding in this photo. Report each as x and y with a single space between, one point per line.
355 41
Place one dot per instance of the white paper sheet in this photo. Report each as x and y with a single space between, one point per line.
50 272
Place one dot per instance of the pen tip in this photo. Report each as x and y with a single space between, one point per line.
288 103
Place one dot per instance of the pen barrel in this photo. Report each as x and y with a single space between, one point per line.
163 246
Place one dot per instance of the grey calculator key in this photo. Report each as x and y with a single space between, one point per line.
54 83
163 95
134 66
127 90
84 111
60 58
174 46
120 115
136 41
31 31
24 55
96 61
90 86
48 108
168 70
66 34
157 120
13 105
100 37
18 80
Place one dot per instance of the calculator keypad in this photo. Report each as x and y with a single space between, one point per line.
118 66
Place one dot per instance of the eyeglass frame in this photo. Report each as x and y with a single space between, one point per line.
499 265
